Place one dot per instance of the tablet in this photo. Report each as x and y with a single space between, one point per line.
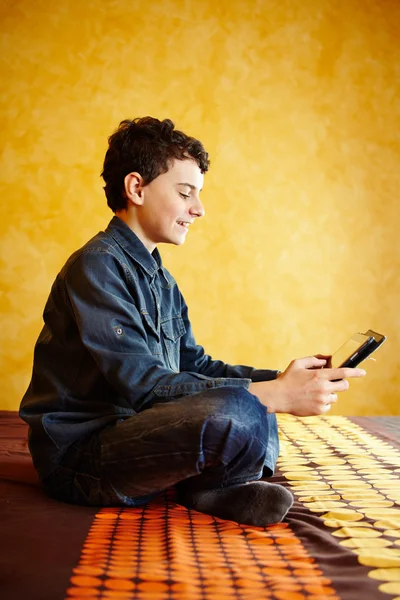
357 349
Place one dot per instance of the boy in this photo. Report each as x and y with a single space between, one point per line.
122 403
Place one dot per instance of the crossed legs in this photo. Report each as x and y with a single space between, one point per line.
212 446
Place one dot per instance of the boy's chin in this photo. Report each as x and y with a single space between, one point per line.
179 241
175 242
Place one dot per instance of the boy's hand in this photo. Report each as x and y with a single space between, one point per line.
305 388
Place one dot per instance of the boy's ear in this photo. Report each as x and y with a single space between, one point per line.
133 184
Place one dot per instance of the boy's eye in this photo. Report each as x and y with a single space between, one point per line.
184 195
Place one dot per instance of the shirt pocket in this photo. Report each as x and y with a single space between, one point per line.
172 330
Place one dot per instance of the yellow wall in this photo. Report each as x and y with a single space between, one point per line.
298 105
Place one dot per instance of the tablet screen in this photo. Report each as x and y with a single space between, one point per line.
350 348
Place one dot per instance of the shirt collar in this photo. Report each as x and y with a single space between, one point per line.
130 242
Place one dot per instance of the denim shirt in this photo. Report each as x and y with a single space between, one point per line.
116 340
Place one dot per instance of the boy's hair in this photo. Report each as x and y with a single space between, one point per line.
147 146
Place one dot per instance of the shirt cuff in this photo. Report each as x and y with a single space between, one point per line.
185 389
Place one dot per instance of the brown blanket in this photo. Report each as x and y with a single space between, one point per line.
341 540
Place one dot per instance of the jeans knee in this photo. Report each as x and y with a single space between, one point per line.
242 406
236 414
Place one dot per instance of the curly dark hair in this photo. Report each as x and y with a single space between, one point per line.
147 146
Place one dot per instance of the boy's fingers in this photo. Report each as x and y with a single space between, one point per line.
339 386
309 362
327 358
342 373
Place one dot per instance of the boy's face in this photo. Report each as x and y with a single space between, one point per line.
169 205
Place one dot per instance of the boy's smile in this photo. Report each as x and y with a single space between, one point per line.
163 210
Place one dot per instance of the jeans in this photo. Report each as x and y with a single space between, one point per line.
207 440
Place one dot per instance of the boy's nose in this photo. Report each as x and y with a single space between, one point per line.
197 209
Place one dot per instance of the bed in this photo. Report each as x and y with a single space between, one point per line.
341 539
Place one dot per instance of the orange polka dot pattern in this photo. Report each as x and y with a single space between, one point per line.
351 479
163 551
342 476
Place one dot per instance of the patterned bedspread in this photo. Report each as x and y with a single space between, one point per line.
341 539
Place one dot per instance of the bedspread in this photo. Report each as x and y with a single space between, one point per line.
341 539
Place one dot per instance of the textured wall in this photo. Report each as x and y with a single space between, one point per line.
298 105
